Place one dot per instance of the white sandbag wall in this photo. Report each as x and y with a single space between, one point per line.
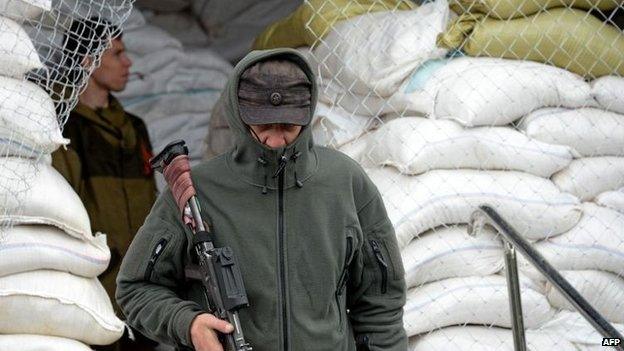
171 87
49 257
440 132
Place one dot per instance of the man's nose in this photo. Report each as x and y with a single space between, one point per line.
126 61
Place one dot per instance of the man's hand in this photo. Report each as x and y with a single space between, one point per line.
204 332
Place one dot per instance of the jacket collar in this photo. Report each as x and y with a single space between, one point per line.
103 116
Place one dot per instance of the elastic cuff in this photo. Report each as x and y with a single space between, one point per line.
183 321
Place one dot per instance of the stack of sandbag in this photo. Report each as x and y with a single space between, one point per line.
364 59
441 171
561 33
591 257
432 174
590 254
171 88
588 247
50 297
379 70
468 338
315 19
233 25
574 328
597 134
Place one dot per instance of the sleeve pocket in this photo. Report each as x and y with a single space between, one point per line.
394 257
390 249
155 253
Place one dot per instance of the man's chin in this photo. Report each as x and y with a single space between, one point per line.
118 88
275 144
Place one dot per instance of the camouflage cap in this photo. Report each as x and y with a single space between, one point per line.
275 91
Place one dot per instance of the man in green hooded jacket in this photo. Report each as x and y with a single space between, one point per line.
317 252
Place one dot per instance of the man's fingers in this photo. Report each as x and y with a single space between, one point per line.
213 343
219 325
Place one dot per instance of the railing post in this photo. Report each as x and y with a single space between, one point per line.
515 300
486 215
478 221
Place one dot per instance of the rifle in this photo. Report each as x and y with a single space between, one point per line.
220 272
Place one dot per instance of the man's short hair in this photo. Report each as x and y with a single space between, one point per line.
86 37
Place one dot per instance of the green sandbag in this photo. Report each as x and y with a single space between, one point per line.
505 9
316 18
563 37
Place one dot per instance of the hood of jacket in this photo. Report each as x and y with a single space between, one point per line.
254 162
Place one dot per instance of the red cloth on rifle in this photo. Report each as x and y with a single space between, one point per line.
178 176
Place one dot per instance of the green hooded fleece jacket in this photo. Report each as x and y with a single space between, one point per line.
318 254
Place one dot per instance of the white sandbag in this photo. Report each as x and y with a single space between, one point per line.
608 92
134 21
17 52
334 126
416 145
592 132
171 70
478 91
233 25
334 93
571 326
58 304
587 177
375 52
146 39
451 252
471 338
595 347
28 248
603 290
532 205
612 199
182 115
30 342
164 5
596 243
24 9
35 193
28 123
182 26
358 150
470 300
156 57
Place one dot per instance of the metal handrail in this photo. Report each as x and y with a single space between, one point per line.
486 215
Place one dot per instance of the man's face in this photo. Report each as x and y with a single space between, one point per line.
114 69
276 135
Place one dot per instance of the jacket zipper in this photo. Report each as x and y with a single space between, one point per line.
280 230
344 278
381 261
158 249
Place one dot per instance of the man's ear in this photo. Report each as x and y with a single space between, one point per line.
87 62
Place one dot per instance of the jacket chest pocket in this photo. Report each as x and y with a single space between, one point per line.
350 251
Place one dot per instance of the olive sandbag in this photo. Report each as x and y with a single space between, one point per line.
314 19
505 9
563 37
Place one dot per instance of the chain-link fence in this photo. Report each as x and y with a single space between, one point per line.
47 51
448 105
49 259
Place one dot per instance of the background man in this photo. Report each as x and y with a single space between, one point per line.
308 226
107 161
